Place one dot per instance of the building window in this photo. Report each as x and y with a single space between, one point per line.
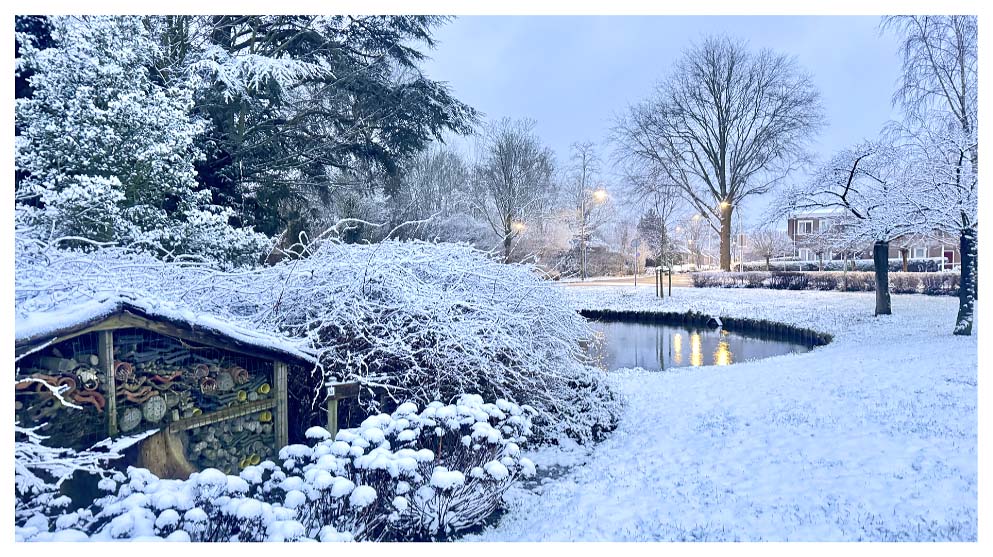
806 254
919 253
804 227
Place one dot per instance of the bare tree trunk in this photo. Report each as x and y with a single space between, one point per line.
768 266
506 247
968 283
880 260
903 254
726 238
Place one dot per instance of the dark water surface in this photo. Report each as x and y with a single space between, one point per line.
623 344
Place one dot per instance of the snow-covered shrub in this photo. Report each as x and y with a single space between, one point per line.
419 321
941 284
904 283
410 475
728 280
915 265
431 321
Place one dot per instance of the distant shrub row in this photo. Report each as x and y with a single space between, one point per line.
929 265
934 284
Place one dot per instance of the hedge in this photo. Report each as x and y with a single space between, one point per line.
929 265
934 284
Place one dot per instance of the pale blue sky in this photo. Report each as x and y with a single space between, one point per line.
571 74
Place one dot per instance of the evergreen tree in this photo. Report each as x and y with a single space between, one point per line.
107 154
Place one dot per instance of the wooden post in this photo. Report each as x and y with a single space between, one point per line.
282 414
105 349
670 282
336 392
333 416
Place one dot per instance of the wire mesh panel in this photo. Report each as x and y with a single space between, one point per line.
74 366
163 380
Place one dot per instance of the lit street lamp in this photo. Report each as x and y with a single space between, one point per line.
599 195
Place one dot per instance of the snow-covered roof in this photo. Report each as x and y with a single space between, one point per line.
44 326
819 212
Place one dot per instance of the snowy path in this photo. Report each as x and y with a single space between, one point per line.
871 437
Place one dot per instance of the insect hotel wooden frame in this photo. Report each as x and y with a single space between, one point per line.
218 398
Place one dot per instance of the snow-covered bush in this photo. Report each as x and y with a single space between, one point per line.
417 321
411 475
914 265
941 284
106 151
937 284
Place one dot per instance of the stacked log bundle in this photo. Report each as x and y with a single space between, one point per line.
73 369
158 381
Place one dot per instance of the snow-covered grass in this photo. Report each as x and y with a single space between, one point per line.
872 437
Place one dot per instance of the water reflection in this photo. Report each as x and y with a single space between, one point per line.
656 346
696 354
722 356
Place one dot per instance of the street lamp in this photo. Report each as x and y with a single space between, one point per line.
599 195
518 226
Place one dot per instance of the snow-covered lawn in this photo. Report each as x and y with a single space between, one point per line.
872 437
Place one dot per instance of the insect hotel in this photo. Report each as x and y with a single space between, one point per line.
215 395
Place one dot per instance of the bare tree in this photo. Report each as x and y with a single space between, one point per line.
694 237
651 230
939 95
727 124
767 243
436 199
654 193
515 178
585 196
871 187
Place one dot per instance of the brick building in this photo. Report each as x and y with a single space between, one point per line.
810 234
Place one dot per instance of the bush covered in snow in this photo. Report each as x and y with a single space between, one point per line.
935 284
411 475
915 265
416 321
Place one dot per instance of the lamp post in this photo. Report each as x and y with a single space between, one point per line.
599 196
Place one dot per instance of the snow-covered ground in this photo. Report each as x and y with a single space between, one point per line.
872 437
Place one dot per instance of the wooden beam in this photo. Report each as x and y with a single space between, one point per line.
282 410
236 411
105 351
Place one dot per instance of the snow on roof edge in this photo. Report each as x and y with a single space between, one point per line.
41 324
